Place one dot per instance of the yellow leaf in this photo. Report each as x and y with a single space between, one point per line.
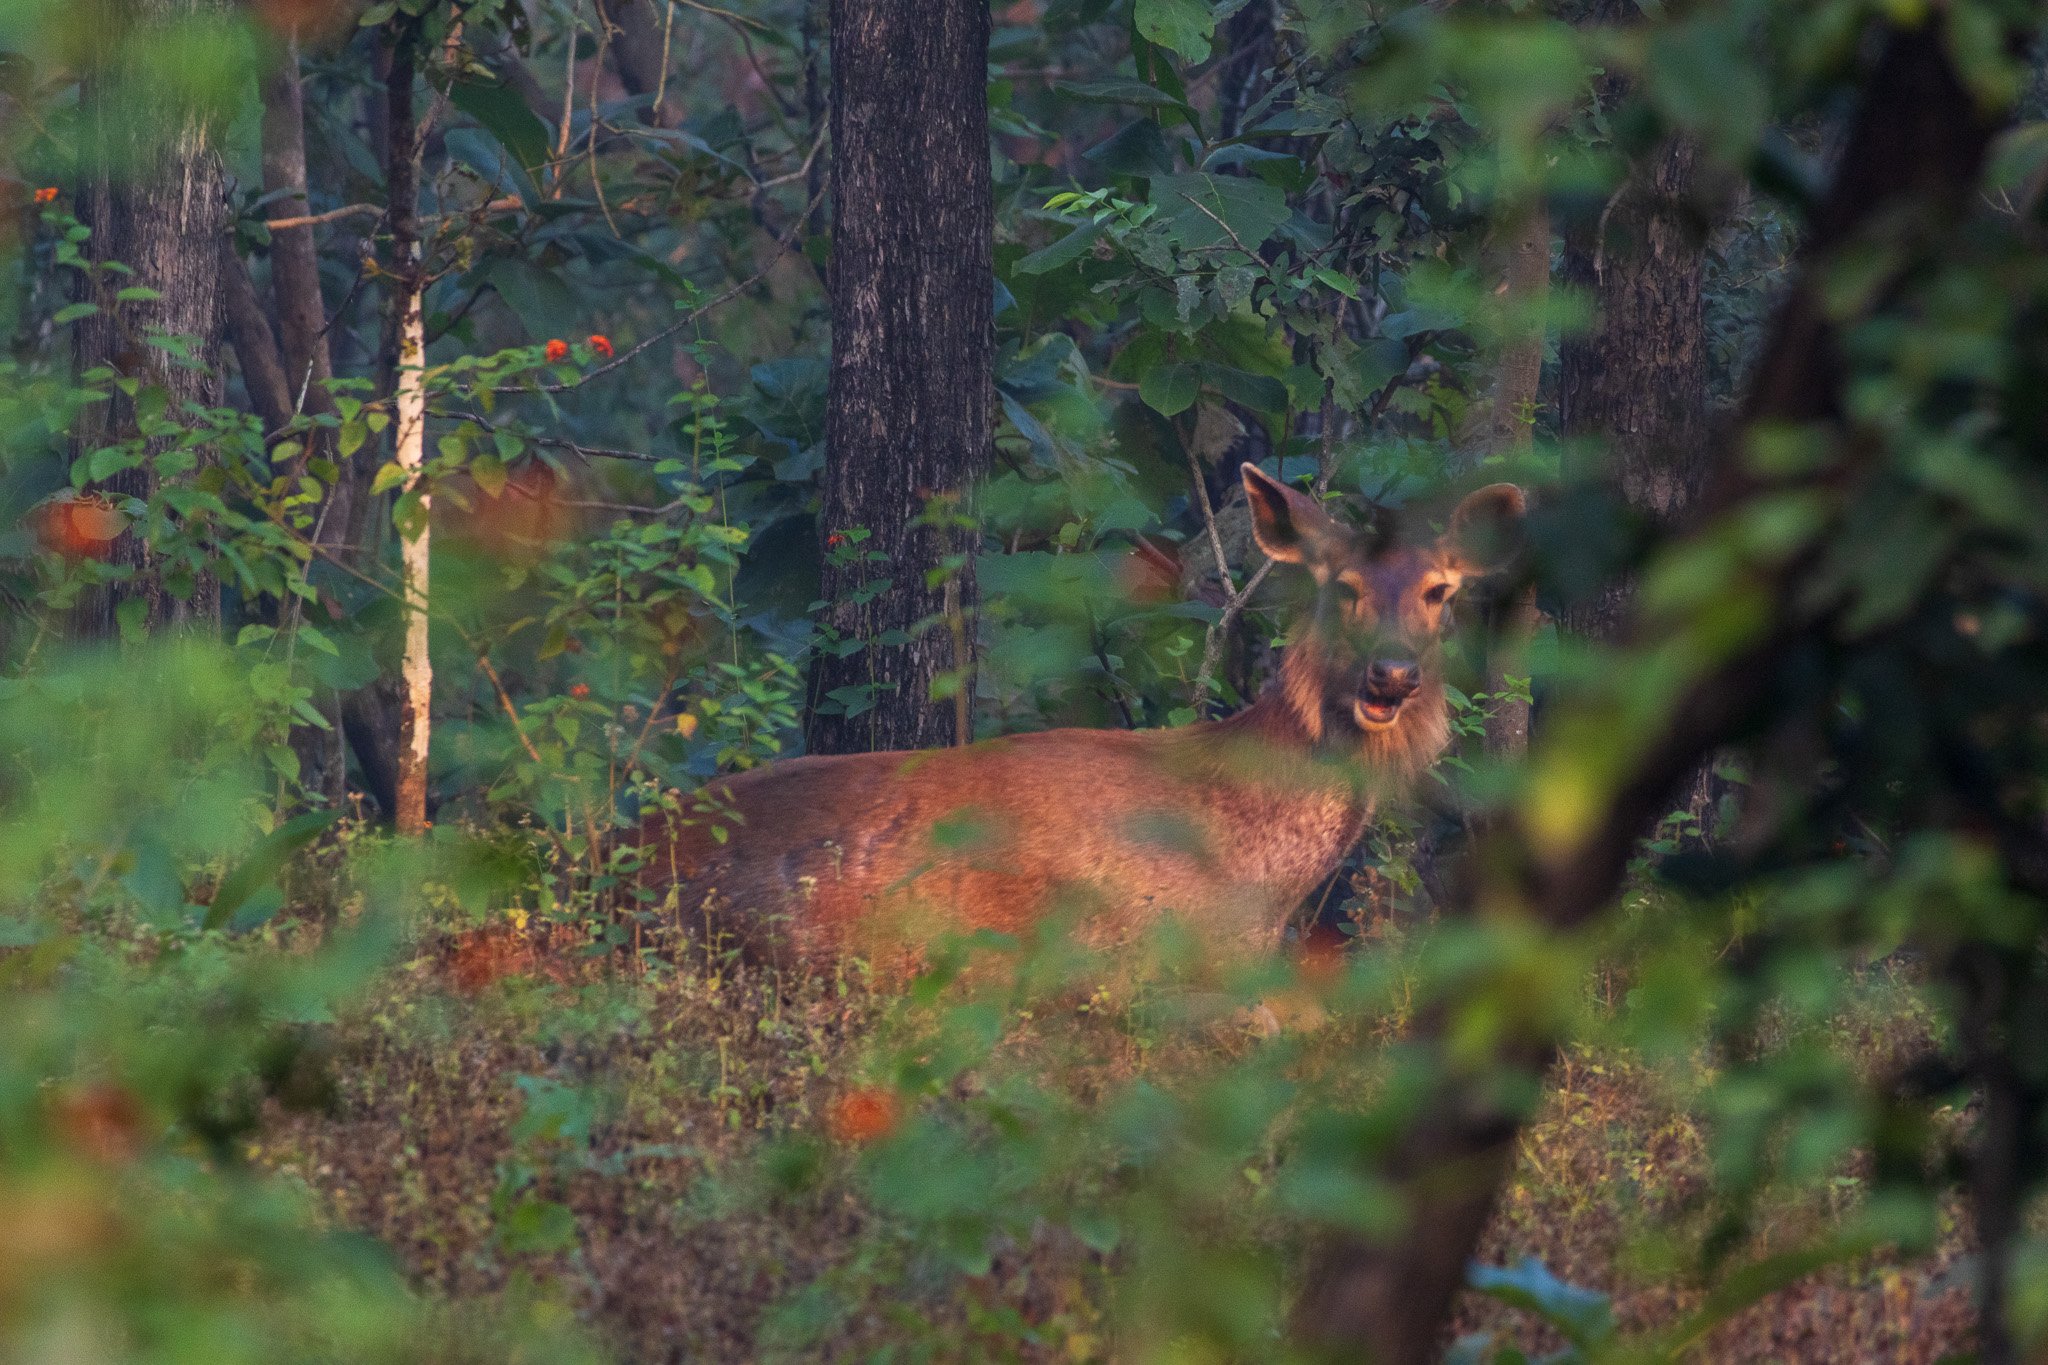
686 724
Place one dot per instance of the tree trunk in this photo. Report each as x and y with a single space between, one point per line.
907 422
302 328
295 255
256 348
409 427
1633 391
641 35
1511 616
153 197
1910 165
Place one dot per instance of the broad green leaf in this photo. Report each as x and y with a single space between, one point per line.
264 862
1169 389
506 116
1065 250
1197 208
489 473
1118 92
1186 26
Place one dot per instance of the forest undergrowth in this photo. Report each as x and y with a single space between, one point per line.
689 1158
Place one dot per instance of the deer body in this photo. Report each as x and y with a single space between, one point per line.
1224 825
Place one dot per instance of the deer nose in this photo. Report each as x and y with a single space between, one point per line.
1393 679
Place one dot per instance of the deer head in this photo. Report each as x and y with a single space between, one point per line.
1366 668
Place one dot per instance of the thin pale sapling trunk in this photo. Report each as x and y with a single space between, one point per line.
416 670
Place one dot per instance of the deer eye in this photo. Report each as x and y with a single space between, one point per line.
1437 594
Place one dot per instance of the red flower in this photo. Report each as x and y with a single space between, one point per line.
834 541
47 195
579 690
558 351
863 1115
602 344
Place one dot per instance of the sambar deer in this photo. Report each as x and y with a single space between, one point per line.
1226 824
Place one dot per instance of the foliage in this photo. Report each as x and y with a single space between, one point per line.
1225 232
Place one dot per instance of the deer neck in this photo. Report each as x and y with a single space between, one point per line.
1293 785
1285 805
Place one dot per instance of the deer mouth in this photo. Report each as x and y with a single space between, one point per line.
1376 713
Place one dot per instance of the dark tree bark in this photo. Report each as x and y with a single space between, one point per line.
154 199
255 343
1911 166
1246 47
1511 616
1633 391
908 411
640 39
294 254
302 336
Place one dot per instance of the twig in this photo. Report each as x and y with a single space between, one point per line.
557 442
483 661
1326 458
668 28
568 103
1231 232
306 220
1234 598
782 244
604 46
725 14
800 172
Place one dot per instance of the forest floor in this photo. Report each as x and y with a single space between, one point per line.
672 1157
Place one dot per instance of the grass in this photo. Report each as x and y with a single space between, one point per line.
680 1159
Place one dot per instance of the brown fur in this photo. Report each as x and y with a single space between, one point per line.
1226 825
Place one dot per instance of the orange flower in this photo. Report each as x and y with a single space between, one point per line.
863 1115
558 351
78 525
579 690
602 344
47 195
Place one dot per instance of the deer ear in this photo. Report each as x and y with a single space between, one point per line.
1486 528
1286 522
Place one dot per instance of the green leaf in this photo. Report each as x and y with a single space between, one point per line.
489 473
505 116
264 862
73 313
388 477
1343 284
1169 389
132 617
1183 25
540 1226
1137 148
1066 249
1118 92
1196 207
